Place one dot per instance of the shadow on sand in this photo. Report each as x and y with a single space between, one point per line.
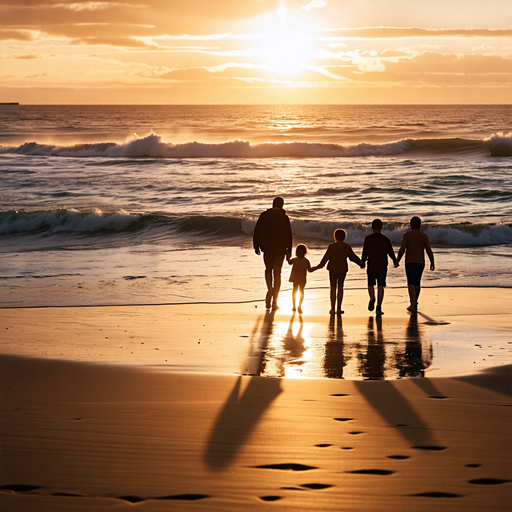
243 409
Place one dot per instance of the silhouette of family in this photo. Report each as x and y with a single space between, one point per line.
273 237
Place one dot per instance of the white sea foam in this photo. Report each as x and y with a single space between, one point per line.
152 146
500 138
462 235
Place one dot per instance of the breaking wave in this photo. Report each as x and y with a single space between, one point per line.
498 144
223 229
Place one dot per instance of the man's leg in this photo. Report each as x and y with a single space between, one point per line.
268 259
371 291
277 265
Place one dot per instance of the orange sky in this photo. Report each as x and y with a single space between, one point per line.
255 51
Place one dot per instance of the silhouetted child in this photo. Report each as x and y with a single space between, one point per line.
337 254
300 267
376 249
414 245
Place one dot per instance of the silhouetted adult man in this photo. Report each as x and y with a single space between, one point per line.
273 236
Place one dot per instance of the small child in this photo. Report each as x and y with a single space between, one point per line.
298 276
337 254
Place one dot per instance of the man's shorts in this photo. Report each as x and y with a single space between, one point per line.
414 271
378 276
273 260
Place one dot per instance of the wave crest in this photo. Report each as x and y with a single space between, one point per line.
63 220
152 146
499 144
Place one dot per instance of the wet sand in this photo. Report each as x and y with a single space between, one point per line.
83 435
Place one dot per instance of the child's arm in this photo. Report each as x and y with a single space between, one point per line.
352 256
391 254
402 249
324 260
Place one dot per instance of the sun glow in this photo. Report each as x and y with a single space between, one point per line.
286 51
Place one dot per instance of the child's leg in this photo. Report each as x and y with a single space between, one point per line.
380 295
294 295
341 281
301 299
333 297
332 280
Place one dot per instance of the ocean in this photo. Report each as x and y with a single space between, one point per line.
156 204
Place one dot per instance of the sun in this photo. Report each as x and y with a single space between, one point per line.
286 51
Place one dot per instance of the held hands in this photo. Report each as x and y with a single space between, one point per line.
432 266
257 251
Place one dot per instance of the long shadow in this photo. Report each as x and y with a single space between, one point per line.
237 419
385 398
243 410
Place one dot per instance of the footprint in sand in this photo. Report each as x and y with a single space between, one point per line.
343 419
473 466
356 432
439 397
131 499
339 394
436 494
316 486
431 448
381 472
184 497
323 445
19 488
286 467
488 481
398 457
270 498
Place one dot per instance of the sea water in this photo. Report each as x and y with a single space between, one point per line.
157 204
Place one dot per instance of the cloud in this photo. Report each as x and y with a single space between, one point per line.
410 32
315 4
19 35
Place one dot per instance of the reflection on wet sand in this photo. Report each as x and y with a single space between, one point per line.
373 350
412 360
372 363
335 356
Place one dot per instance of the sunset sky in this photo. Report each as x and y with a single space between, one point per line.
255 51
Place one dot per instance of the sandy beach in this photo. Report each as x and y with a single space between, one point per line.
164 408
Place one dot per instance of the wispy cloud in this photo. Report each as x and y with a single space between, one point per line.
315 4
414 32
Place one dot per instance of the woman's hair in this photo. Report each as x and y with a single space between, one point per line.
301 250
340 235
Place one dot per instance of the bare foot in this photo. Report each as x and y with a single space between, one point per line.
299 310
340 312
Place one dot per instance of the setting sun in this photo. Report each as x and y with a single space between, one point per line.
286 51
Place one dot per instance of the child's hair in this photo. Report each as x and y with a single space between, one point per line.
301 250
340 235
415 223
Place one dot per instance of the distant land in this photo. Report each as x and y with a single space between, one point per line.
9 103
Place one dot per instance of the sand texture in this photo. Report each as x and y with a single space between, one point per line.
94 436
